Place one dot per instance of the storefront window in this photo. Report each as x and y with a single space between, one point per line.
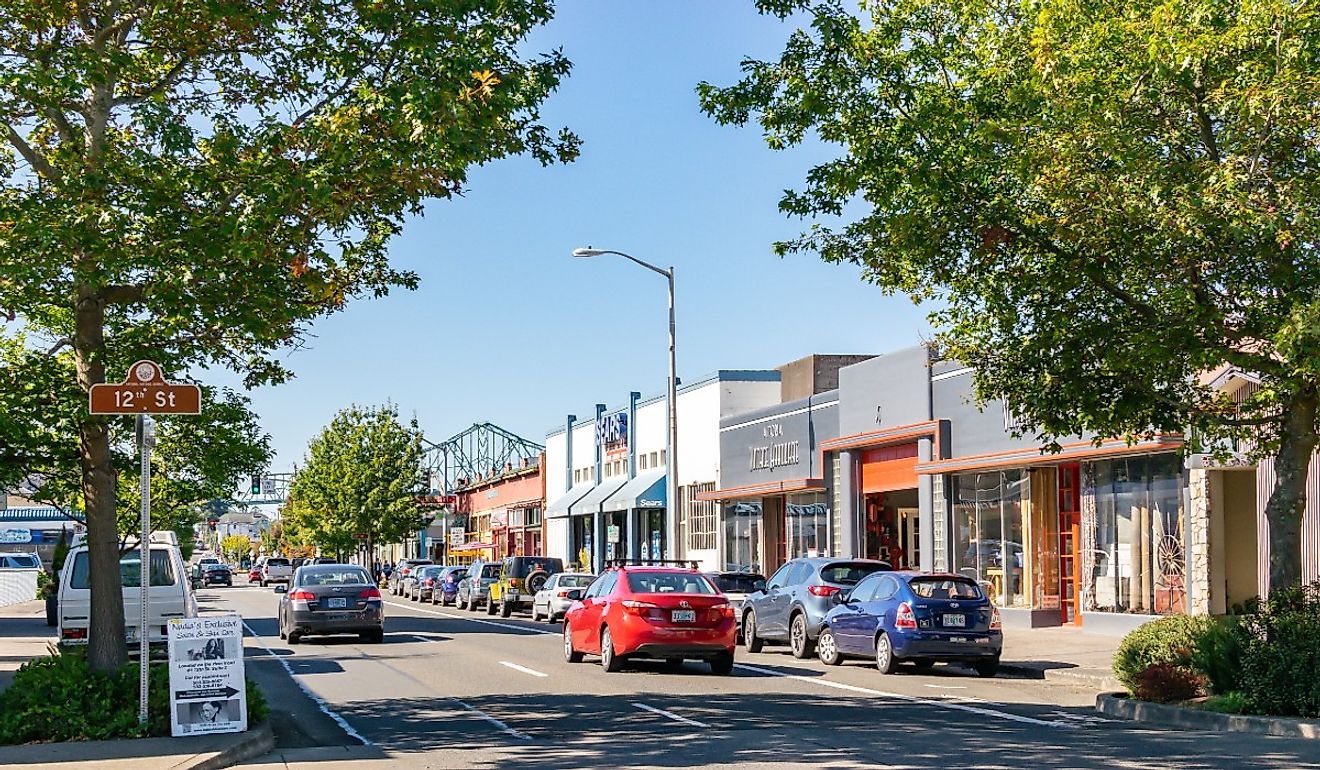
1139 539
807 520
987 519
742 537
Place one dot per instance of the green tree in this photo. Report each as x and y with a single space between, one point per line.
1107 199
362 476
235 547
195 184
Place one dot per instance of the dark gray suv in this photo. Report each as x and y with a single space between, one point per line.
792 604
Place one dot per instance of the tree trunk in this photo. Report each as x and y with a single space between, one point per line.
106 648
1288 500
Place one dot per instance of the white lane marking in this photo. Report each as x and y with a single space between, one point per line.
494 721
474 620
670 714
523 669
1081 717
913 699
425 639
325 709
945 686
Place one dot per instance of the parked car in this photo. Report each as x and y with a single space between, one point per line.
920 617
419 584
519 579
736 586
169 590
276 569
474 587
331 599
323 560
669 613
795 600
216 574
402 570
254 574
552 601
20 561
445 590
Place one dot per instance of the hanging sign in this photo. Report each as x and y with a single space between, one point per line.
208 692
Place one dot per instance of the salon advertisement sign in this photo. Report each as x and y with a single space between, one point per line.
208 692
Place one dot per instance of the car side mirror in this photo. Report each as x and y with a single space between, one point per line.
574 594
280 588
758 586
840 597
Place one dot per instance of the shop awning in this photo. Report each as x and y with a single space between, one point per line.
590 503
646 490
768 489
559 508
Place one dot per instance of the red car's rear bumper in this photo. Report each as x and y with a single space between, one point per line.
634 635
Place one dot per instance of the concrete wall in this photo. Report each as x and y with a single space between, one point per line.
803 423
884 392
812 375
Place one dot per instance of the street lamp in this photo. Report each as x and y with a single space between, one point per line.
671 395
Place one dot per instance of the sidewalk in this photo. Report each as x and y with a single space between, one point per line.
1063 655
23 636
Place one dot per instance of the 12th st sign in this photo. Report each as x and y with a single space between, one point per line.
145 391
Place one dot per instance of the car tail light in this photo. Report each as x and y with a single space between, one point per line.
306 596
822 590
719 611
73 633
996 623
905 618
515 582
428 582
369 593
634 607
563 594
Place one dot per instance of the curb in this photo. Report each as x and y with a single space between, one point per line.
253 744
1061 676
1119 705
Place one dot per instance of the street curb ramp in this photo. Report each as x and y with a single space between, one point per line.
254 743
1121 706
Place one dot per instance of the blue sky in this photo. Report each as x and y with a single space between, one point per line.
508 328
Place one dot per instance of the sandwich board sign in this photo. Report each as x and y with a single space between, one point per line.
208 691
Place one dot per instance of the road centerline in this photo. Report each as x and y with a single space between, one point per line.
523 669
669 715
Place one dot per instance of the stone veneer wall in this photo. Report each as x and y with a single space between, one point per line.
1198 544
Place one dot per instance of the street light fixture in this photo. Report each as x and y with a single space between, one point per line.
671 396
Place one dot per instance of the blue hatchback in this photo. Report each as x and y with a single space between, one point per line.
920 617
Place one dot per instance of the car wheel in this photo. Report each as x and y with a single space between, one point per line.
885 662
608 660
672 665
506 609
490 606
826 649
570 654
261 583
987 668
280 623
536 616
551 618
294 637
415 596
802 644
753 642
723 665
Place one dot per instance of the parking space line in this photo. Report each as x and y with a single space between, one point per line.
494 721
473 620
523 669
321 704
670 715
945 704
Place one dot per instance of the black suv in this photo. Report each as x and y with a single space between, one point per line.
520 578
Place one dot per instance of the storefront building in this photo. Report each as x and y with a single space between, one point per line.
37 529
606 483
498 515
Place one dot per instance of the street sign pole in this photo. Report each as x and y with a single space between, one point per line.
147 433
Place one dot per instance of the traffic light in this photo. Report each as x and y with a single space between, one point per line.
256 485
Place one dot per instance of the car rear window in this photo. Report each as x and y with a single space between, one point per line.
669 582
736 584
945 588
348 576
523 567
215 568
847 573
130 570
575 581
277 562
21 561
490 571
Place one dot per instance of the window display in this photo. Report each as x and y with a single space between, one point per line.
742 537
1139 559
988 533
807 520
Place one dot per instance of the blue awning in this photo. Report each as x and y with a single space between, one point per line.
559 508
591 502
646 490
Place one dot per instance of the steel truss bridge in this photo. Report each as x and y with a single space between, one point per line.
481 450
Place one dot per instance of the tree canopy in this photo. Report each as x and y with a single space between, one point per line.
1107 199
362 476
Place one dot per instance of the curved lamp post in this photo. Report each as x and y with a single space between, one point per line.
671 395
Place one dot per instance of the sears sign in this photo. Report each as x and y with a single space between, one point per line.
612 430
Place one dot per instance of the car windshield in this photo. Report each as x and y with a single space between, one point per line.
130 570
736 584
669 582
945 588
214 568
575 581
349 576
490 571
847 573
277 562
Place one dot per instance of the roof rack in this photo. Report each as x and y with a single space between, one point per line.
691 563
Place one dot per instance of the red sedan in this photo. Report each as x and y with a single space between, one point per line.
669 613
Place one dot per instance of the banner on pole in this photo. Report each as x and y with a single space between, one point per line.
208 691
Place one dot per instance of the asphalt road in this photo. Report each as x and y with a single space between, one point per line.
452 689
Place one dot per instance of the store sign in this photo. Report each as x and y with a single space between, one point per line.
15 535
775 454
456 537
612 431
612 533
1049 602
208 692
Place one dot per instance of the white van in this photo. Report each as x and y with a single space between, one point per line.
171 594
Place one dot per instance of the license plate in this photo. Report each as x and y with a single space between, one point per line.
337 602
684 616
955 621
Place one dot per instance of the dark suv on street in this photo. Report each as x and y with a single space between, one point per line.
792 604
519 579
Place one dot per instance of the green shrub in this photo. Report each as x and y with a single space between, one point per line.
1227 703
1166 640
1167 683
1281 654
1218 654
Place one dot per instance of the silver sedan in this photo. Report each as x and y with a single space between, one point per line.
552 601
